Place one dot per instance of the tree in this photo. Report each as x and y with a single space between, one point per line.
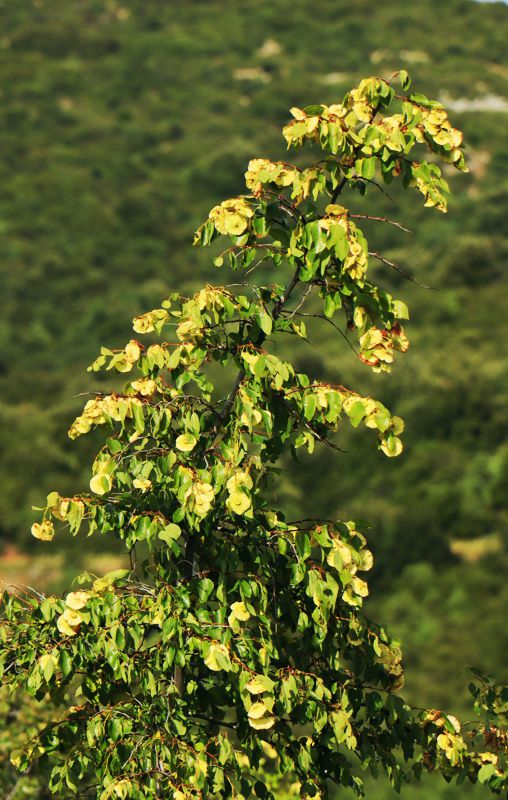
235 660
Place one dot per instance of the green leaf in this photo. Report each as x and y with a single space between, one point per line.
329 306
139 419
309 406
303 546
405 80
400 309
356 413
170 533
486 772
264 321
47 666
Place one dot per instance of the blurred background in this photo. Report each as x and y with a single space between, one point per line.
122 123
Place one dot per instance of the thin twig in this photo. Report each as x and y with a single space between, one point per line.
215 721
399 269
332 323
302 301
381 219
377 185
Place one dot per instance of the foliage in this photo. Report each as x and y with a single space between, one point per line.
241 637
114 112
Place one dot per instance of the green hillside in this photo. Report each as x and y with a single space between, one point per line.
122 124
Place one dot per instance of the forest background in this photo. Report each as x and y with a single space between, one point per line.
122 123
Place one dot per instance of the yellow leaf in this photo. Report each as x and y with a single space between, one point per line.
186 442
72 617
47 665
391 446
77 600
232 216
142 483
367 560
259 684
360 587
240 612
218 658
100 484
262 724
238 502
132 351
239 479
122 788
65 628
340 555
202 498
257 710
234 224
143 323
43 531
61 509
260 717
145 386
189 330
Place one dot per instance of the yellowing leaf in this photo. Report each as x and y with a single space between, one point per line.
122 788
240 611
73 617
109 579
366 560
121 364
132 351
397 425
257 710
232 216
142 483
202 495
145 386
260 717
47 665
339 555
143 323
218 658
239 479
170 533
100 484
189 331
43 531
61 510
238 614
238 502
65 627
360 587
186 442
260 684
262 724
391 446
77 600
400 309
